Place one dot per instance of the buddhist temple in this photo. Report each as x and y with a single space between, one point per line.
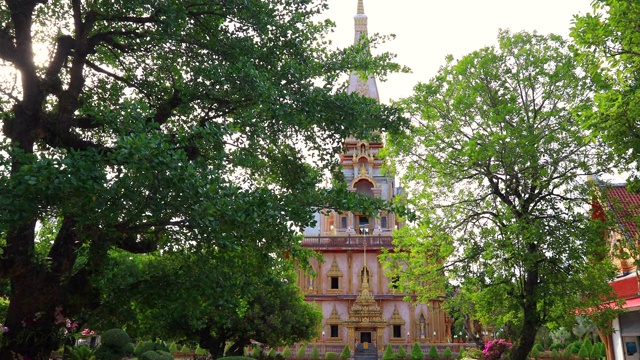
359 303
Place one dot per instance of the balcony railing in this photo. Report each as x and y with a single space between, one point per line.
347 241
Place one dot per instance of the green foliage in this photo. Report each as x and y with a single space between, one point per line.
539 347
200 351
104 352
416 352
535 353
145 346
447 354
235 358
116 339
401 354
286 352
156 355
346 353
302 352
314 354
555 354
584 352
433 352
483 167
462 354
575 346
388 353
271 353
556 346
587 345
173 348
474 353
255 353
185 349
126 147
567 353
599 350
330 355
82 352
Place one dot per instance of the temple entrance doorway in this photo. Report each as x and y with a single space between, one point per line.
365 337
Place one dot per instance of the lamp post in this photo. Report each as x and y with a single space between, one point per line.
324 345
434 337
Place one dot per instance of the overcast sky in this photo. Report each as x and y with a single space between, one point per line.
427 30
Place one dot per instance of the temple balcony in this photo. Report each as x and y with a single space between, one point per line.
348 241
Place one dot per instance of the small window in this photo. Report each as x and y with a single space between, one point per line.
343 222
383 222
335 282
397 331
334 331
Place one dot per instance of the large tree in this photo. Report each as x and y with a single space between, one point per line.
212 298
141 125
495 166
611 33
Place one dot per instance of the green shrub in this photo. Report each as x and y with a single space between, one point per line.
556 346
535 353
185 349
433 352
286 352
161 345
461 354
235 358
156 355
115 338
416 352
271 353
302 352
555 354
567 353
142 347
200 351
474 353
346 353
104 352
173 348
539 347
128 349
401 354
447 354
82 352
255 353
330 355
388 353
599 351
315 354
575 346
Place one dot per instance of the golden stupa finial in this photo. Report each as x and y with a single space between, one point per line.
360 7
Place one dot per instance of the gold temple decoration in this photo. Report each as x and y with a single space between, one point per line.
396 319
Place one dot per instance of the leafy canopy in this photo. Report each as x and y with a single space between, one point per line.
496 166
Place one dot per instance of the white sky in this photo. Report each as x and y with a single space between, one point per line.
427 30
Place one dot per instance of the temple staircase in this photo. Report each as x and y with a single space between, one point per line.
365 353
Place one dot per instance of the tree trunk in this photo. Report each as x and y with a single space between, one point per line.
33 332
214 345
531 319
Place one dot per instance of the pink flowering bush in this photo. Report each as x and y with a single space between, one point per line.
88 332
496 349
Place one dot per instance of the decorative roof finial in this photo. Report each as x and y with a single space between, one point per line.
360 7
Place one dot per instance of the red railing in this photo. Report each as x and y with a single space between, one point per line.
347 241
